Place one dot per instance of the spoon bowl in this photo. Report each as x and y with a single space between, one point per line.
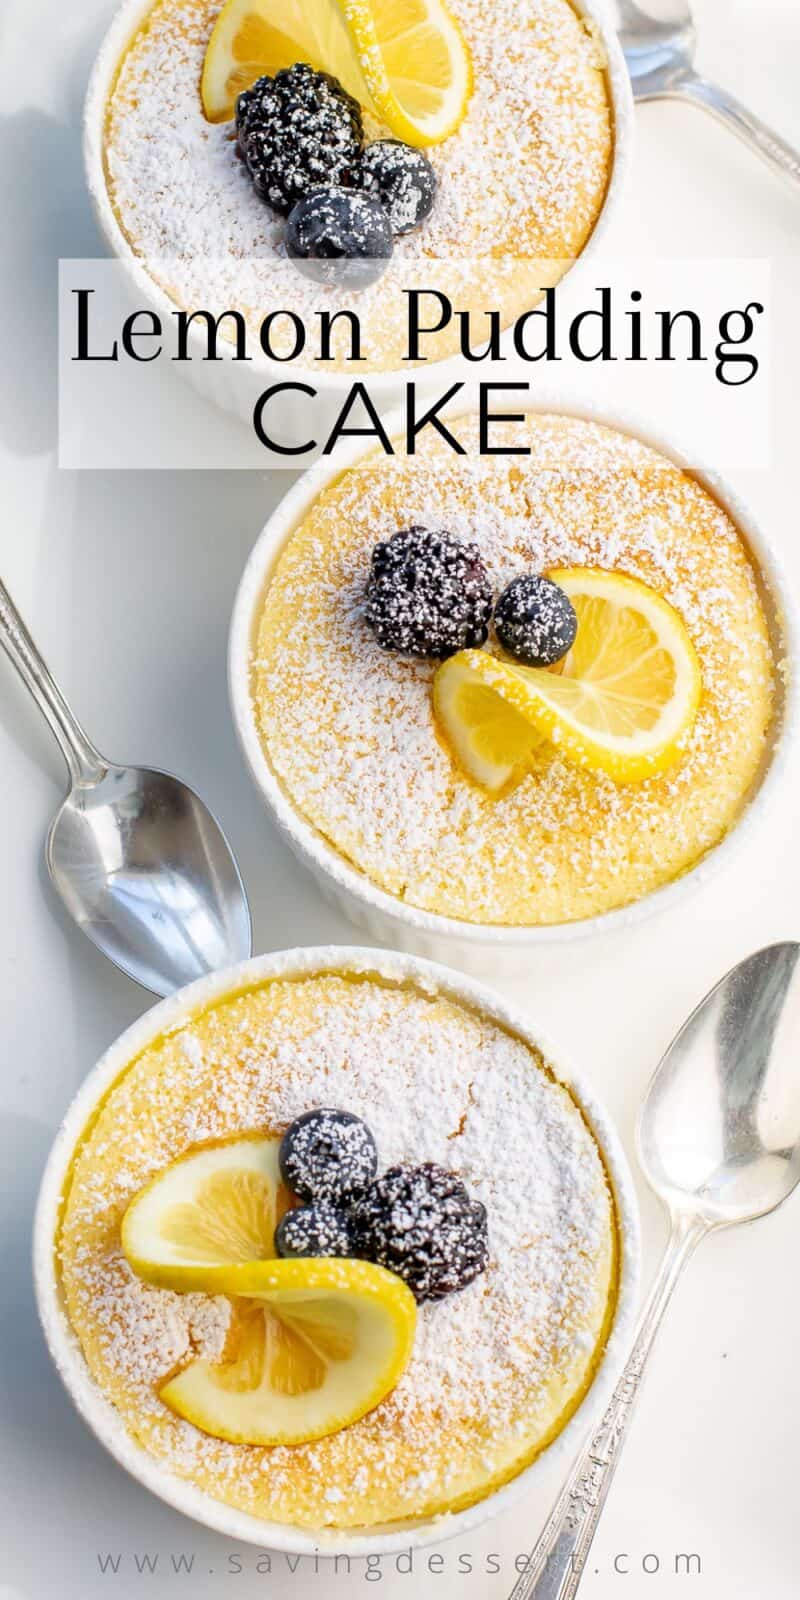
658 45
658 40
719 1132
143 867
719 1140
138 859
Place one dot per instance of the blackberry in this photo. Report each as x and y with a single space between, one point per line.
298 132
535 621
420 1223
318 1230
339 236
402 178
428 594
327 1155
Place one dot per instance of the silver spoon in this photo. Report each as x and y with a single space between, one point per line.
659 51
139 861
719 1141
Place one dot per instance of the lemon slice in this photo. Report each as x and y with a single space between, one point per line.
623 702
404 60
313 1346
205 1213
491 741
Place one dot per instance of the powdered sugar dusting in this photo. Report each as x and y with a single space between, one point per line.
435 1082
524 177
350 732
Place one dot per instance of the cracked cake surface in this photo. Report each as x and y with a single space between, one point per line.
497 1368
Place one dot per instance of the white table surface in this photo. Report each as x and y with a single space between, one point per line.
127 580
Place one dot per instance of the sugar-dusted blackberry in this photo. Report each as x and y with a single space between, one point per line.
327 1155
403 179
428 594
420 1223
298 132
339 236
316 1230
535 621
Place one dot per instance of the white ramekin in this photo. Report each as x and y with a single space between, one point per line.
488 949
100 1415
236 386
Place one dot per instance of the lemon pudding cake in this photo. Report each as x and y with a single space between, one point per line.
340 1249
480 134
412 696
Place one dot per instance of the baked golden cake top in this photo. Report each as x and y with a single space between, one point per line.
524 176
350 732
496 1369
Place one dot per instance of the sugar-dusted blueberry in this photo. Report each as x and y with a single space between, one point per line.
535 621
327 1155
428 594
340 236
402 178
315 1230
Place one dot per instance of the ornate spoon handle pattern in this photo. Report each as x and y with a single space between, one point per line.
85 763
556 1564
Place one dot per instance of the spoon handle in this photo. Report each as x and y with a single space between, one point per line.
779 155
85 763
556 1563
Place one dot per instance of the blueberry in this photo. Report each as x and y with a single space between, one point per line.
327 1155
340 236
535 621
402 178
316 1230
428 594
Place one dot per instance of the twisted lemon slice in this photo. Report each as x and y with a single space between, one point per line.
313 1346
404 60
623 701
208 1211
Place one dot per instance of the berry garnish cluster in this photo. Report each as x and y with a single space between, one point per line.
301 137
418 1222
429 594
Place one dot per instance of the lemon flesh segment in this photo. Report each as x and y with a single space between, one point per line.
623 701
254 39
406 61
205 1213
491 741
314 1345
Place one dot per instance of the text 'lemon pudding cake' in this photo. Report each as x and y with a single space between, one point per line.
340 1250
515 691
397 140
